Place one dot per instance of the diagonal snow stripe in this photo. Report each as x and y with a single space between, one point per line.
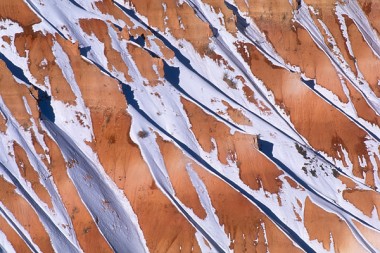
15 133
60 215
13 222
356 14
5 245
267 150
246 192
231 182
253 33
106 203
150 151
269 52
302 16
59 239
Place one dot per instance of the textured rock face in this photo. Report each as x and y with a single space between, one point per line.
189 126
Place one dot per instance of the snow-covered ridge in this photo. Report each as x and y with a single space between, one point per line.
116 78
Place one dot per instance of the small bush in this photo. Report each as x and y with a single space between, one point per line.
86 230
301 151
335 173
142 134
231 83
111 139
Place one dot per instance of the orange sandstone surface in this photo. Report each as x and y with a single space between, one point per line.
163 225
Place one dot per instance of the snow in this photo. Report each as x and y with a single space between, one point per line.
352 9
107 205
303 17
62 237
26 105
13 222
5 245
199 79
75 119
211 218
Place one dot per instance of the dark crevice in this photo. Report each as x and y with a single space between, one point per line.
140 40
15 70
171 74
43 99
117 27
42 17
266 148
132 102
242 24
179 56
41 212
311 84
18 231
76 4
84 51
44 104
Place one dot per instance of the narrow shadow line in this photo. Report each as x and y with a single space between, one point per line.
132 102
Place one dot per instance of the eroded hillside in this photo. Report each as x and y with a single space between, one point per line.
189 126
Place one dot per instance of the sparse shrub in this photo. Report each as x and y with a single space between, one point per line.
301 151
86 230
142 134
107 118
207 50
111 139
335 173
231 83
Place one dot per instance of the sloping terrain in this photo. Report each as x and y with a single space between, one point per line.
189 126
